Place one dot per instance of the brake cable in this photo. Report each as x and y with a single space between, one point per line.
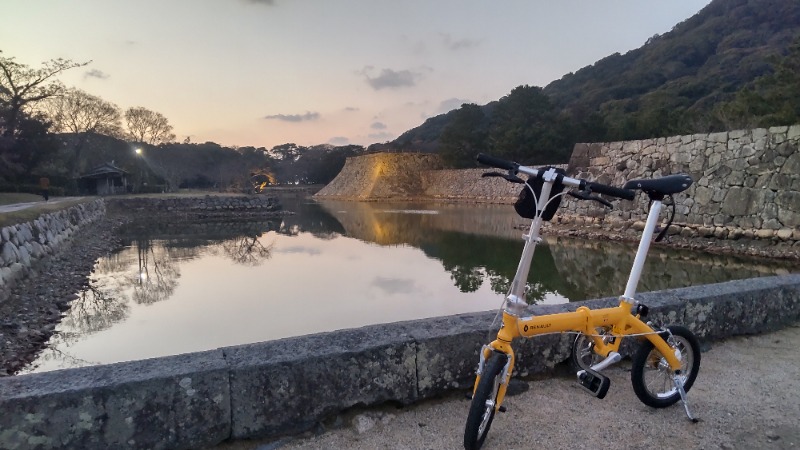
663 232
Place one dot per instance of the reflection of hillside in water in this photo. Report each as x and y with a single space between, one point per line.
479 242
599 269
411 222
475 243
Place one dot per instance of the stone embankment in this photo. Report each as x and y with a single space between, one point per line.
745 196
381 176
24 244
206 205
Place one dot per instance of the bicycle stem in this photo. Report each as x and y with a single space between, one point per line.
516 298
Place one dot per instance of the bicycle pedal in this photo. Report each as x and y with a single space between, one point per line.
593 382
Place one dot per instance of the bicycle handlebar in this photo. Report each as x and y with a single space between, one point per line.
497 162
625 194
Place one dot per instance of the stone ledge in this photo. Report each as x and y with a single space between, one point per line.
173 402
288 385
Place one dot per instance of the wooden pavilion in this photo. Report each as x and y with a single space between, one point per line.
105 179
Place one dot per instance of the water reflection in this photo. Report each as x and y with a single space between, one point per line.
188 286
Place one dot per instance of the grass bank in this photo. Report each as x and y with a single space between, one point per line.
34 211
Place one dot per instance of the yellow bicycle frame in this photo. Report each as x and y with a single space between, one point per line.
619 320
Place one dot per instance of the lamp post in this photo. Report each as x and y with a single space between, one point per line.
141 172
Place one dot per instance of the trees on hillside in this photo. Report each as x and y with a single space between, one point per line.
147 126
465 136
22 86
524 126
770 100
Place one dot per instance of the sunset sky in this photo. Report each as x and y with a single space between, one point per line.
269 72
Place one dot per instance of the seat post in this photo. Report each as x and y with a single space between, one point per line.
644 246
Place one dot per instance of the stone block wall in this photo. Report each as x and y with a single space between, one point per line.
23 244
746 182
205 204
381 176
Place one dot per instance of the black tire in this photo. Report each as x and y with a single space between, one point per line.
483 407
651 376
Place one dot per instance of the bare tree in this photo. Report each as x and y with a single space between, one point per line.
247 250
21 86
148 126
81 113
77 111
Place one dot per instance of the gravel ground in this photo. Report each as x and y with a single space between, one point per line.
747 396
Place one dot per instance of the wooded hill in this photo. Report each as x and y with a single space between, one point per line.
735 64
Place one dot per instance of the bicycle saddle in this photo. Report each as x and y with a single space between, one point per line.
668 185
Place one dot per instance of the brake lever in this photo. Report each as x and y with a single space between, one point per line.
507 176
587 195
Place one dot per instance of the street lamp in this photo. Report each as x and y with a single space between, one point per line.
138 152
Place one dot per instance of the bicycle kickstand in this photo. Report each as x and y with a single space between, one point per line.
679 386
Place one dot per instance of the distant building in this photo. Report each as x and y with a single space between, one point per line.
105 179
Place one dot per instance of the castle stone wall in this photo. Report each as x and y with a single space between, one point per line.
746 182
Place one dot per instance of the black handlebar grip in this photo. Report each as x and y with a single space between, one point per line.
625 194
497 162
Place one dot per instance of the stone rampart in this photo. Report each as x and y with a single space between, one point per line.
23 244
746 182
289 385
381 176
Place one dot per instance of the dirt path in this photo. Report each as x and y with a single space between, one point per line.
18 206
747 397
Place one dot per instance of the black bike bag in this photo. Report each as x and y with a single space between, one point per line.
526 204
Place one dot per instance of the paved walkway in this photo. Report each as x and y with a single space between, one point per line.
17 206
747 396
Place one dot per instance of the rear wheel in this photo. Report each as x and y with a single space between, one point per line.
651 375
484 402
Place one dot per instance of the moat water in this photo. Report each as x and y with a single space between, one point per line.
178 287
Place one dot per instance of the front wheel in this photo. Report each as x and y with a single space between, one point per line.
484 402
651 375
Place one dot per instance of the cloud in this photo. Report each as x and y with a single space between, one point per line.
381 136
339 140
450 104
308 116
391 79
298 249
378 126
395 285
458 44
261 2
94 73
351 109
